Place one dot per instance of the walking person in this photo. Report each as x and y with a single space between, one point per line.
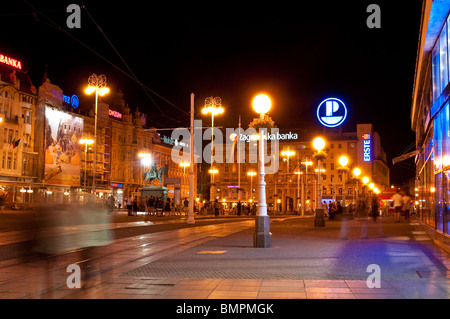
397 199
135 206
374 207
407 206
129 205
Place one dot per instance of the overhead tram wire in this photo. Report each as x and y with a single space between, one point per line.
128 67
57 27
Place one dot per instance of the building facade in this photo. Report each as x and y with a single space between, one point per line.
42 157
18 153
295 184
430 116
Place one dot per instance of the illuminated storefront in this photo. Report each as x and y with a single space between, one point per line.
430 117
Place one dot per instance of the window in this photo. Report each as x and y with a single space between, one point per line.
435 69
339 145
443 59
332 167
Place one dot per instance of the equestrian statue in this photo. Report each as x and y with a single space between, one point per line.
156 173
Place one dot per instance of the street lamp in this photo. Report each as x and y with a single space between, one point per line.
343 161
96 84
288 153
184 165
86 142
213 105
251 174
262 236
319 145
356 173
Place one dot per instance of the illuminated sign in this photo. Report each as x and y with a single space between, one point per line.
116 185
277 136
332 112
72 100
115 114
11 62
366 148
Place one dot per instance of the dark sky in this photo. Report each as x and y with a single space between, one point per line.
300 54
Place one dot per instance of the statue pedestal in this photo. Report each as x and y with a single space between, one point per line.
155 191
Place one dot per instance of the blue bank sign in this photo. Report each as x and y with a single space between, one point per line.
332 112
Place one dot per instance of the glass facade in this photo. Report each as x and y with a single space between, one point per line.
434 161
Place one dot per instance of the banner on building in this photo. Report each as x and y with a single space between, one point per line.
62 149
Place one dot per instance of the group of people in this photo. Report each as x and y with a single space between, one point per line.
401 203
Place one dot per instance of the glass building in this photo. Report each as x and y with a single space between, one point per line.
430 116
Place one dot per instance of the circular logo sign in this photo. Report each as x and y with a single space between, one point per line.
74 101
331 112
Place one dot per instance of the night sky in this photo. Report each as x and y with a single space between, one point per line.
299 54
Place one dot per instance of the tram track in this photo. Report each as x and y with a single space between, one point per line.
98 260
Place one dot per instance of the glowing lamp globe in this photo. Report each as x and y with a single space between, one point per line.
261 104
319 143
343 160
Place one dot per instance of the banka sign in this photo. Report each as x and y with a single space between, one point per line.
366 148
11 62
332 112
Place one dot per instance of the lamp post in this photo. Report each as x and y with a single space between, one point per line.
184 165
319 145
86 142
356 173
213 105
251 174
96 84
288 153
262 237
343 161
306 163
212 171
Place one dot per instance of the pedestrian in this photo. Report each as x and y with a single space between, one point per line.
216 208
374 207
135 206
239 207
129 205
397 200
406 206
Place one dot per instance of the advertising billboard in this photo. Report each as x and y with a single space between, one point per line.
62 150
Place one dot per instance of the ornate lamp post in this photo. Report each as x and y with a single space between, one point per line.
262 237
288 153
319 145
343 169
356 173
213 105
96 84
86 142
251 174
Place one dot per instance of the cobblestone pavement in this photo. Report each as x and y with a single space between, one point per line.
219 262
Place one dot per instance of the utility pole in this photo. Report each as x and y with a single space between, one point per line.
190 219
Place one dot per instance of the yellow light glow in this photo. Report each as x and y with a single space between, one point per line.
103 91
89 89
185 164
432 189
365 179
287 153
371 185
319 143
213 171
261 103
143 154
251 173
356 172
343 160
87 141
